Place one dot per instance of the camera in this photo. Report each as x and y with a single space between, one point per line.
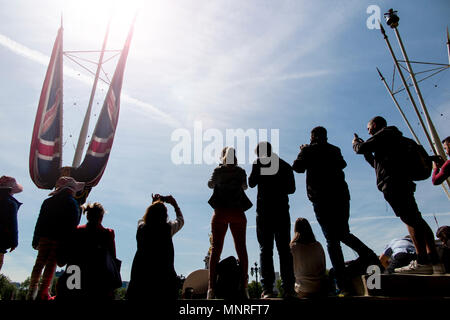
160 197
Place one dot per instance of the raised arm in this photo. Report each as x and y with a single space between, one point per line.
178 223
253 179
301 163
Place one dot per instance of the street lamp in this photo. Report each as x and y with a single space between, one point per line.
392 18
255 270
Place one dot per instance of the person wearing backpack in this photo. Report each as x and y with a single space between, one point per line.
441 170
229 202
385 152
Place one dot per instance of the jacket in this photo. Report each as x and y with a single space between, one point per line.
273 189
58 218
325 178
9 235
382 152
229 183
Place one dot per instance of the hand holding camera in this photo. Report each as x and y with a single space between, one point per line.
168 199
356 139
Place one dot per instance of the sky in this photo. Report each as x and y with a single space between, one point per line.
279 67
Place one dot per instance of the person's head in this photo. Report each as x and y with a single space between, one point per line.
263 149
156 214
228 156
446 144
303 232
319 135
376 124
94 213
443 234
9 185
67 184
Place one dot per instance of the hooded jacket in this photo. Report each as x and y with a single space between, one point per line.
382 152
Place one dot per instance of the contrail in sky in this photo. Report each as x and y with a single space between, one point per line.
43 59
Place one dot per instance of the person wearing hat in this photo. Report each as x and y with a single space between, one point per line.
58 219
9 235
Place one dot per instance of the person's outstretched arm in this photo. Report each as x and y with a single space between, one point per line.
178 223
300 164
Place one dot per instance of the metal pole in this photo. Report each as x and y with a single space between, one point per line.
448 46
431 128
398 107
85 126
402 77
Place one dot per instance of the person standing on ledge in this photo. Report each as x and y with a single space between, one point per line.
273 221
383 152
329 194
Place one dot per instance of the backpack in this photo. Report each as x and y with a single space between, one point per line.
418 164
228 283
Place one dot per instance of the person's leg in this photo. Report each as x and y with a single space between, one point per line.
41 261
282 240
324 215
49 271
219 228
348 238
265 235
1 260
238 227
404 206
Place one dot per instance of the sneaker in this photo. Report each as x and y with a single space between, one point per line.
210 294
267 294
344 293
438 268
415 268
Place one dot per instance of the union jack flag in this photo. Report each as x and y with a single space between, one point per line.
45 150
97 155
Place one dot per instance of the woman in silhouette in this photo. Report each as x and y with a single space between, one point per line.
309 261
153 275
229 203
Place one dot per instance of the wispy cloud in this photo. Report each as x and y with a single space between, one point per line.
43 59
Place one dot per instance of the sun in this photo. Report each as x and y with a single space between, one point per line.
88 19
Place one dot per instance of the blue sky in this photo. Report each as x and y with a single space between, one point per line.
286 65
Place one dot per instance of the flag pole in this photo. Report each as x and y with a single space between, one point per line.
402 77
448 46
435 142
85 126
431 128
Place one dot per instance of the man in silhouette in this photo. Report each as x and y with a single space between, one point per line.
275 181
329 194
383 152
